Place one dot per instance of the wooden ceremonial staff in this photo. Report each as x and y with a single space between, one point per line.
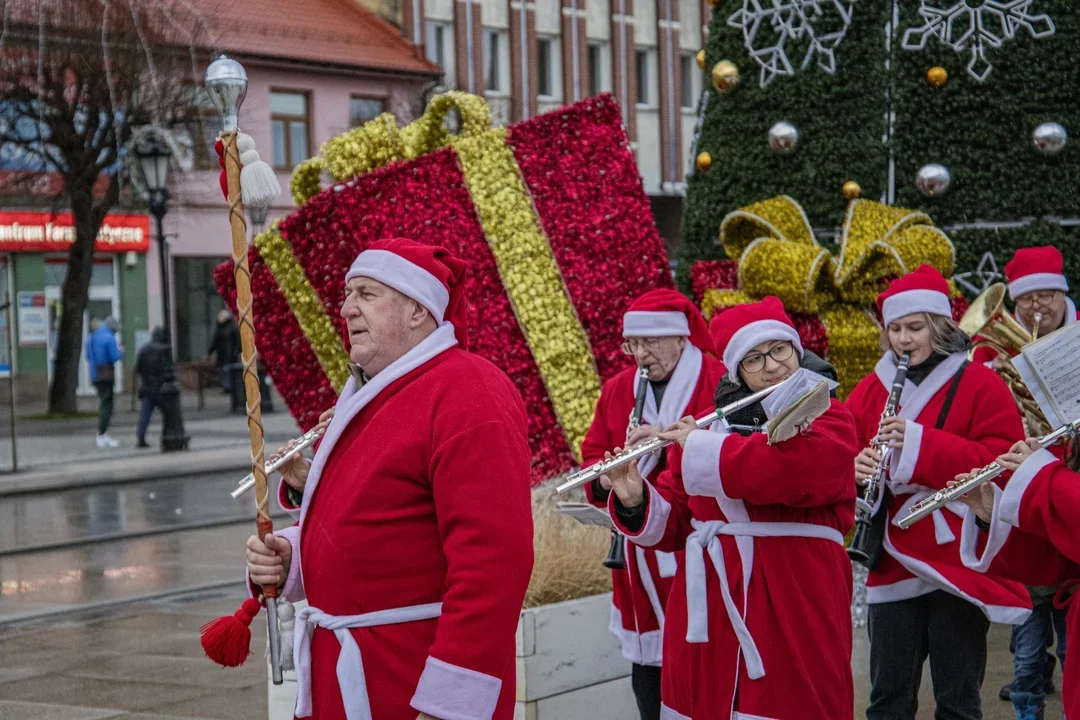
224 637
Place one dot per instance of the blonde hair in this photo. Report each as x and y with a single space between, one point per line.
946 337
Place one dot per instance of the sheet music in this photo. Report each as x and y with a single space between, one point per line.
586 514
1031 381
801 383
1053 362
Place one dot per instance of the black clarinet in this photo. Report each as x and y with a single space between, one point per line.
616 558
866 543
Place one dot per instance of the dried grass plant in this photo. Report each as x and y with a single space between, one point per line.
568 555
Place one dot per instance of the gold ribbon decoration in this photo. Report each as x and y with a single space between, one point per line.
779 255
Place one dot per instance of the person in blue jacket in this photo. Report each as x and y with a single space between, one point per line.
101 354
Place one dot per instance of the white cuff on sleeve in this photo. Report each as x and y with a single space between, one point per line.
701 464
450 692
1018 485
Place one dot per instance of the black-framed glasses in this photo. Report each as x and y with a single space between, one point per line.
1043 298
633 344
756 363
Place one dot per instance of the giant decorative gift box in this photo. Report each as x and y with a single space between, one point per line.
550 213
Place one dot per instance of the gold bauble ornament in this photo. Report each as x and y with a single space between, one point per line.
851 190
725 76
704 161
937 76
701 59
716 3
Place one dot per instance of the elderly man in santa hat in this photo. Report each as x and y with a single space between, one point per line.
1037 287
668 338
414 545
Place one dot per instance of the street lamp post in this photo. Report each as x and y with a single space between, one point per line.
152 156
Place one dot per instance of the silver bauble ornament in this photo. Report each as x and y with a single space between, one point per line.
933 179
1050 138
783 137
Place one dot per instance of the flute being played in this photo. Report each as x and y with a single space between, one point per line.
978 477
279 460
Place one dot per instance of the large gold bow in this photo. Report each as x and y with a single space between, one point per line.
779 255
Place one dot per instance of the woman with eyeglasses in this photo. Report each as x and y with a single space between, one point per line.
758 622
953 416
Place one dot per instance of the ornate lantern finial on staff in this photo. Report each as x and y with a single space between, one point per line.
249 181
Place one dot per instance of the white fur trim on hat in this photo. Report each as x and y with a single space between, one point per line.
914 301
405 277
641 323
1035 282
753 334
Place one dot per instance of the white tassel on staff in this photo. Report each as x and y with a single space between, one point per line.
259 185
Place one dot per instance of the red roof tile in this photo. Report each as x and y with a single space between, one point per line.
338 32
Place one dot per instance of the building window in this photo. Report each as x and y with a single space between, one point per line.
290 125
204 123
544 71
493 60
364 109
688 69
197 305
642 58
594 70
440 46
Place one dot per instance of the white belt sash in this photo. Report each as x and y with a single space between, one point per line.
706 537
350 665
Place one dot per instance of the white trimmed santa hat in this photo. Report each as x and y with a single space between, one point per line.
667 313
1034 269
740 329
924 290
428 274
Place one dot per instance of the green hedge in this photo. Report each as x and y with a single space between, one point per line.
980 131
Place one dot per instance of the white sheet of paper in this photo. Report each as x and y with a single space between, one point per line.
1032 383
1052 361
586 514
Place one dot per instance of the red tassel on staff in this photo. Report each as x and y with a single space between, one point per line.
227 640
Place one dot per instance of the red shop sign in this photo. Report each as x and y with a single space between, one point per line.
48 232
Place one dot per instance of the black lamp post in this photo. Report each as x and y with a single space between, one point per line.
152 163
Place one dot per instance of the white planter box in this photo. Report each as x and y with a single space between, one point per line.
569 665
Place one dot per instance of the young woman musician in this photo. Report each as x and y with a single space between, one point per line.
953 416
1030 532
758 620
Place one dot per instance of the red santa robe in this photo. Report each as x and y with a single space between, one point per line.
982 423
759 617
640 592
1034 538
418 496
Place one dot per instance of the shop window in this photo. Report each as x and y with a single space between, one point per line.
197 304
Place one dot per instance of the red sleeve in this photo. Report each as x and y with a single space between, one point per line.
598 440
1043 498
809 470
480 485
932 458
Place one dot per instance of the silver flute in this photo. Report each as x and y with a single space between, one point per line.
642 449
277 461
980 477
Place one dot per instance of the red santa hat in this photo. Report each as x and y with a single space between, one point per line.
667 313
924 290
1036 268
428 274
738 330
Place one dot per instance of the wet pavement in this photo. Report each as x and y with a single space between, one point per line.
102 555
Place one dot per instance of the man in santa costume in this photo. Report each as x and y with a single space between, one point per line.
1037 286
953 416
758 622
414 545
1030 532
666 334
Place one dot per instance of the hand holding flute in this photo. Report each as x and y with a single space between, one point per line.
981 501
295 470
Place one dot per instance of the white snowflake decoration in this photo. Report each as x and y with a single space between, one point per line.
780 21
986 274
966 28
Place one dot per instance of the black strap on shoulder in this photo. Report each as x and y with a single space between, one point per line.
950 395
